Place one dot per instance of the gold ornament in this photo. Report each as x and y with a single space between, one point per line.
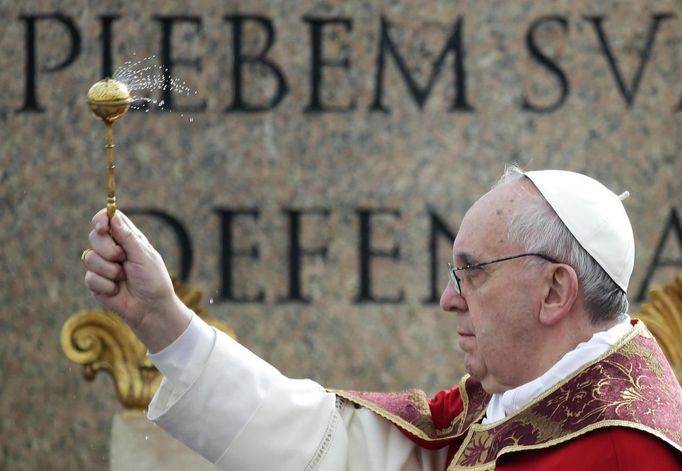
109 99
100 341
663 316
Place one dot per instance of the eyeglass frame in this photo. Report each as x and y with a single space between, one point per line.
456 281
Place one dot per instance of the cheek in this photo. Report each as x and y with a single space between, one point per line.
495 350
497 334
503 347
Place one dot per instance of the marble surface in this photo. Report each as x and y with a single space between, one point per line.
139 445
412 159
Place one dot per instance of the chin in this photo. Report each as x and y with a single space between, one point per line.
474 372
490 388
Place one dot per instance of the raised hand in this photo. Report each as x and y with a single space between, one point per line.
128 276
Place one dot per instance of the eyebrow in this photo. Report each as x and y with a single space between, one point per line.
466 257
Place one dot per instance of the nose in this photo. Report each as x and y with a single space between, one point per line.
451 300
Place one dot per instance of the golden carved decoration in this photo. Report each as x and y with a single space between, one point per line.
101 341
663 316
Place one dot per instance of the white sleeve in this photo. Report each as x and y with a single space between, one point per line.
239 412
182 361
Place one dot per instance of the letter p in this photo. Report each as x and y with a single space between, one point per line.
31 92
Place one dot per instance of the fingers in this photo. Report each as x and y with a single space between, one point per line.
99 285
101 240
103 244
103 260
94 262
100 221
120 252
135 245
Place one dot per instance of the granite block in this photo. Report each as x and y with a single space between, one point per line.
531 82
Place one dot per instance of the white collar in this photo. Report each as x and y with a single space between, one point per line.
508 402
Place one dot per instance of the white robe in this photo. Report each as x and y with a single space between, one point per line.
240 413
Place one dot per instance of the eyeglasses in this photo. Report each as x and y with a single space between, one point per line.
457 282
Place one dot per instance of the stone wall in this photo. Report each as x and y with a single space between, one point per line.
312 184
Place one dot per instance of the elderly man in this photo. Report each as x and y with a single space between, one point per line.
559 377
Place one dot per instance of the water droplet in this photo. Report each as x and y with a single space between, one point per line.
145 74
146 437
191 120
210 301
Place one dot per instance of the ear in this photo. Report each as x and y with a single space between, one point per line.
560 294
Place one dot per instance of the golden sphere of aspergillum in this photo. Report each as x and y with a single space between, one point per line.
109 99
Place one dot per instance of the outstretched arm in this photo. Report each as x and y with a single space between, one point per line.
217 397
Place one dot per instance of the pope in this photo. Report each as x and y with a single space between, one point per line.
559 376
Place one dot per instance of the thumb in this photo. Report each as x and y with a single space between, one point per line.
130 238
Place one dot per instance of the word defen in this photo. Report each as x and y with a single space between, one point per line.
439 233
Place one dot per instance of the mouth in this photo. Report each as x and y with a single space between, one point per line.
466 341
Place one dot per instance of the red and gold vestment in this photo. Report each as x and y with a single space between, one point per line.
626 402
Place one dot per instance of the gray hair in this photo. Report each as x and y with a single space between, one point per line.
539 229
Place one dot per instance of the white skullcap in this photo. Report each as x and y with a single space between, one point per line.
595 216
